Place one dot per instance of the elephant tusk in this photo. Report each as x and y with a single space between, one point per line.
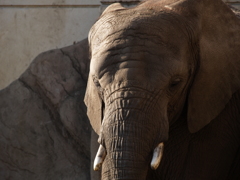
157 156
101 154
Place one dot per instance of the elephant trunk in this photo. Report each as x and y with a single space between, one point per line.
133 126
128 155
129 146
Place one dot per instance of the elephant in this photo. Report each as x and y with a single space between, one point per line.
163 91
161 87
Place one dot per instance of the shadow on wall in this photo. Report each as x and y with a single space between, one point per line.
44 130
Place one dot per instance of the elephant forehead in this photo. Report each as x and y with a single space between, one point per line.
123 55
136 47
140 66
160 27
134 51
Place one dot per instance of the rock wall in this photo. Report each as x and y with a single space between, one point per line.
44 130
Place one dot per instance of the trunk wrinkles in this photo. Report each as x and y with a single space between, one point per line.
127 125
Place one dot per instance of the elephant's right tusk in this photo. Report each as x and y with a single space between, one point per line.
101 154
157 156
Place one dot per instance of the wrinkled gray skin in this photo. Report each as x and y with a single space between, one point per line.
166 71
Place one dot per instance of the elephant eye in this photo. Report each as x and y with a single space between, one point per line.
99 88
96 82
175 83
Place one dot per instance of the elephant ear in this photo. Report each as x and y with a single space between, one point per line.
218 76
94 105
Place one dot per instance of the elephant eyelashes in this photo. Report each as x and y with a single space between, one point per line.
174 84
99 88
96 82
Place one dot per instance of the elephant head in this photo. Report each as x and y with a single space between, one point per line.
150 62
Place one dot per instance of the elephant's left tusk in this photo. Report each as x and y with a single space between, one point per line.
101 154
157 156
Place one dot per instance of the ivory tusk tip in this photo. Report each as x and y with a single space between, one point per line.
154 166
97 166
101 154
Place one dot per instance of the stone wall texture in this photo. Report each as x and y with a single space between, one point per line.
44 129
31 27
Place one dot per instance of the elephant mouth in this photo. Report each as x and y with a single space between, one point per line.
156 158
